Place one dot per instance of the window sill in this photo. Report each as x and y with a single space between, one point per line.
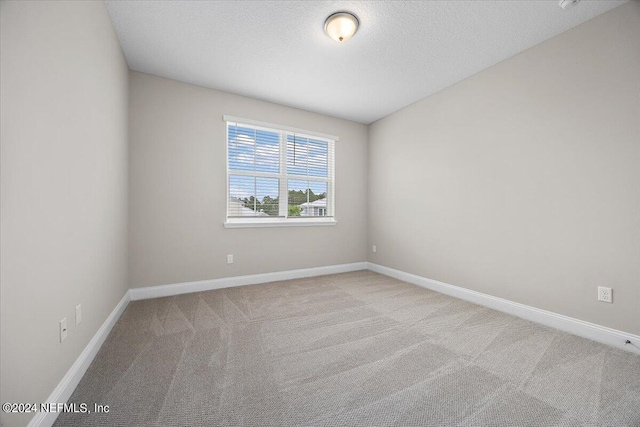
248 223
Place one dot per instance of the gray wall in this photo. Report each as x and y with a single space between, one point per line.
177 197
523 181
64 188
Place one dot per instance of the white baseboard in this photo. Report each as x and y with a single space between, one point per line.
70 381
568 324
227 282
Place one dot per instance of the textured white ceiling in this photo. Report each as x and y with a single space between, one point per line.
277 50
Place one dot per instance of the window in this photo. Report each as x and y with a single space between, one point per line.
278 175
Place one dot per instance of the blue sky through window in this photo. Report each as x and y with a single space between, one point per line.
306 156
254 150
302 185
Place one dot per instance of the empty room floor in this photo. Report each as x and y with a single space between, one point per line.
355 349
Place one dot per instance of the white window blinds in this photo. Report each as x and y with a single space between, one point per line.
278 173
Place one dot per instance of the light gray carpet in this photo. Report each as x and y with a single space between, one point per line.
354 349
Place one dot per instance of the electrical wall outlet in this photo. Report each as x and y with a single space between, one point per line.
63 329
605 294
374 249
78 314
230 259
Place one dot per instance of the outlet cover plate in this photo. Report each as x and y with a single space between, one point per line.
63 329
605 294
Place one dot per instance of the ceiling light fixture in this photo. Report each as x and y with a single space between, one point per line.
341 26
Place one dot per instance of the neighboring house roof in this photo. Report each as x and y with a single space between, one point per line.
320 203
237 208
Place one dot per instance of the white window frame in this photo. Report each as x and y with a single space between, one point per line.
283 220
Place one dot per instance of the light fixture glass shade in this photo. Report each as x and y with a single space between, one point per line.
341 26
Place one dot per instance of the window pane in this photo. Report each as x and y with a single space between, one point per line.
307 198
253 149
253 196
241 148
318 151
307 157
267 192
267 151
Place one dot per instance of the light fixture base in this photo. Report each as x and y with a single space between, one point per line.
568 4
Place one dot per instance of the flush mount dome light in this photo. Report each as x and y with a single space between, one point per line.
341 26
